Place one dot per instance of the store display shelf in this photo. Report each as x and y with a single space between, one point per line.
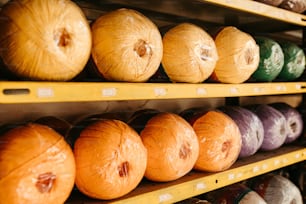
251 16
261 9
196 183
34 92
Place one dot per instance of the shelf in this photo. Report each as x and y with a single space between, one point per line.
39 92
261 9
196 183
249 15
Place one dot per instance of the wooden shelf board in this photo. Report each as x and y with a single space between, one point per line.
196 183
39 92
257 8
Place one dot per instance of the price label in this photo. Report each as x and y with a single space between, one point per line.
285 160
45 92
297 156
258 89
276 162
298 86
201 91
231 176
234 90
165 197
109 92
160 91
200 186
264 166
255 169
281 88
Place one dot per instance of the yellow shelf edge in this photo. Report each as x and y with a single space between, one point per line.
196 183
262 9
40 92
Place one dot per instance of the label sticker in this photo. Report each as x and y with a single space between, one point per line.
45 92
234 90
231 176
297 156
276 162
258 89
255 169
109 92
201 91
298 86
285 160
281 88
160 91
200 186
165 197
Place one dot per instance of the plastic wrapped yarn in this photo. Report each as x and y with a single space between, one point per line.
172 146
238 56
297 175
298 6
271 60
294 62
293 118
110 159
235 194
36 165
219 138
276 189
250 126
275 126
44 40
127 46
193 59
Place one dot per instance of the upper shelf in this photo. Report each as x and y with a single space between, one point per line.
261 9
247 14
37 92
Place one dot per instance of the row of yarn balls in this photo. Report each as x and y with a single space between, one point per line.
297 6
108 157
125 45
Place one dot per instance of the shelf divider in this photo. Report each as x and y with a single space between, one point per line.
39 92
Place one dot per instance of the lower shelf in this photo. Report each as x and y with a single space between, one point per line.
196 183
